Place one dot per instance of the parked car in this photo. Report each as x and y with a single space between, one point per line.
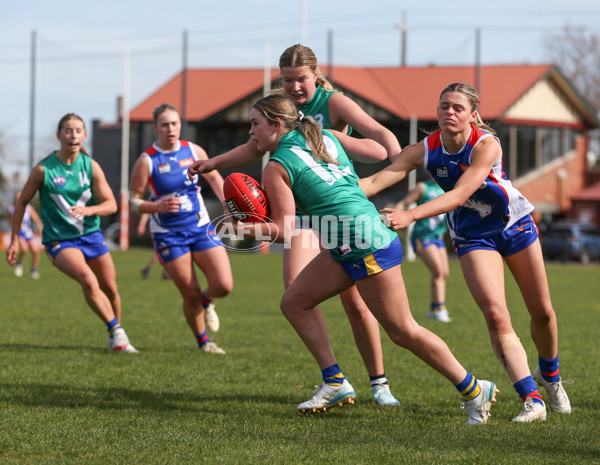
570 240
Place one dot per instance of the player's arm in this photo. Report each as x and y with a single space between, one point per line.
214 178
242 155
343 109
482 158
105 200
277 185
361 150
410 159
138 186
32 185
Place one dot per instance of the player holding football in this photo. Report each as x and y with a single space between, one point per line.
306 85
74 194
181 229
490 222
360 250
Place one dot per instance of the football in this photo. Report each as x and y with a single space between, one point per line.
245 198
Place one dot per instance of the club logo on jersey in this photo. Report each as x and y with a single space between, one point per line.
186 162
59 181
164 168
463 167
441 171
483 209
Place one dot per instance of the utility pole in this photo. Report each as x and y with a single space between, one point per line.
478 59
184 85
404 28
32 102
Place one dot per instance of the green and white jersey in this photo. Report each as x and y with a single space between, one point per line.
318 108
349 224
65 186
434 227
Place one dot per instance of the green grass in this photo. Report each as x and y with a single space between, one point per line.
64 398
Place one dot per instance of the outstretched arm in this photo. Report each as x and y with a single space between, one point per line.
213 178
482 158
362 150
410 159
238 157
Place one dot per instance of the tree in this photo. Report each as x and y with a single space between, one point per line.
577 53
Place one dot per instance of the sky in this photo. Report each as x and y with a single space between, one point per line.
83 48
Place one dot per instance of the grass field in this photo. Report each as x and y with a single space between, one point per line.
64 398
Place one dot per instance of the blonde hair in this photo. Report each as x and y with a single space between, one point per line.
276 107
299 55
473 98
68 117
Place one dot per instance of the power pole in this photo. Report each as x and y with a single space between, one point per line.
32 102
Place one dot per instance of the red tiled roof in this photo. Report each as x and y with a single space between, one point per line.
415 91
209 91
401 91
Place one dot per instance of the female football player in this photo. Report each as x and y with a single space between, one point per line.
74 194
310 91
490 222
181 229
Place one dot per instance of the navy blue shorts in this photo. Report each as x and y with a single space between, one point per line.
514 239
376 262
172 245
92 245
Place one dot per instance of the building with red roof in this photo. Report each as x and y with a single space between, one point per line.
542 121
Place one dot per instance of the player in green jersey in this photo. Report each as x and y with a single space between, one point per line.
73 194
309 168
308 87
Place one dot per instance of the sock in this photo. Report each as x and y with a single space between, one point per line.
469 388
202 339
527 388
333 375
205 302
437 306
549 369
112 325
379 380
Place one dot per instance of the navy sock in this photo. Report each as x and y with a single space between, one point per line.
549 369
468 387
527 388
202 339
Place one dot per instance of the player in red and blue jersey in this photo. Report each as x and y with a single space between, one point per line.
489 222
179 223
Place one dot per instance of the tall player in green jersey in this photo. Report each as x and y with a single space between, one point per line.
73 194
310 91
309 168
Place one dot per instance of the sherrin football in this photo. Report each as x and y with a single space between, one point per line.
245 198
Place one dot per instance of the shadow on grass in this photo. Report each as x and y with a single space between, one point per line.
106 398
